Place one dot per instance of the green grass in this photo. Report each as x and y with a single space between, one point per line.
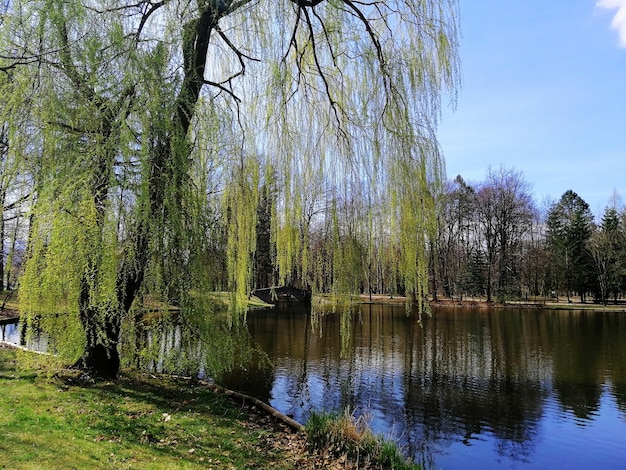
50 420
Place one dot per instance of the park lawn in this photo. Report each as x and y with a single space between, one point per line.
64 420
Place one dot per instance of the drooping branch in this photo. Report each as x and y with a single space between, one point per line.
146 16
221 87
242 57
326 35
293 41
321 70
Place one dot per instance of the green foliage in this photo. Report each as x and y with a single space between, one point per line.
212 342
242 200
154 132
569 228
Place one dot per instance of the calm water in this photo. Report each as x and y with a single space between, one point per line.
466 389
11 332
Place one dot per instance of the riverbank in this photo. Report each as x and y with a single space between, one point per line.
51 417
538 303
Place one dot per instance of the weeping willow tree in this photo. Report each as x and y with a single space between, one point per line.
147 113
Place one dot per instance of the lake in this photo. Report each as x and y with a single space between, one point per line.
466 388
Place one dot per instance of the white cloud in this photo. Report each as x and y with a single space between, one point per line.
619 21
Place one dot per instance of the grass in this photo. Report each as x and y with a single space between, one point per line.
65 421
344 435
51 417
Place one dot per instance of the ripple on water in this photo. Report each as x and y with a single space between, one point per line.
593 440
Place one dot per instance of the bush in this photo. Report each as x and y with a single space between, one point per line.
343 434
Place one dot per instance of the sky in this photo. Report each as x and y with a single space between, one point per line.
544 93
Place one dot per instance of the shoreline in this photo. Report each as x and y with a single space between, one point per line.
483 304
8 315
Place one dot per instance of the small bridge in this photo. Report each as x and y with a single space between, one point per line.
272 295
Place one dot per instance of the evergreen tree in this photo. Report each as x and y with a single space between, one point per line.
569 228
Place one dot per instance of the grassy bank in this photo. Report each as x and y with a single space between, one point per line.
51 417
62 420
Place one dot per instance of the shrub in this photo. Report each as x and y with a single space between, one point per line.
344 434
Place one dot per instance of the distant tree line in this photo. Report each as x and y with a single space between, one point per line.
495 244
491 242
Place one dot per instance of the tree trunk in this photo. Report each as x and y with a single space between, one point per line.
2 230
101 356
11 255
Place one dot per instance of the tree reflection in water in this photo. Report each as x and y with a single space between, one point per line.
525 389
488 380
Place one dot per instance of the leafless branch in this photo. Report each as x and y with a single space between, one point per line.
223 88
293 42
234 48
115 9
16 203
333 104
307 3
146 16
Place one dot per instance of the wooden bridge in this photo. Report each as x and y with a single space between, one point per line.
272 295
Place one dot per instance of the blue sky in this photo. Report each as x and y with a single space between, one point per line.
543 92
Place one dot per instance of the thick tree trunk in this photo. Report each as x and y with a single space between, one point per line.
102 328
101 357
264 268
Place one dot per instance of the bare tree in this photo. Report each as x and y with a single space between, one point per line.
506 214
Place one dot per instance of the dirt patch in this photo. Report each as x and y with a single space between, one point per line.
284 436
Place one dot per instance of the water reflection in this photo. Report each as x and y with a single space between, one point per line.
11 332
482 385
205 345
465 388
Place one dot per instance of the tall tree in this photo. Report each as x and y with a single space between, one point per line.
607 249
505 214
569 227
15 181
456 237
130 97
515 213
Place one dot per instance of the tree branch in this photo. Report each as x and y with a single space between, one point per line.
373 37
146 16
307 3
334 105
223 88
